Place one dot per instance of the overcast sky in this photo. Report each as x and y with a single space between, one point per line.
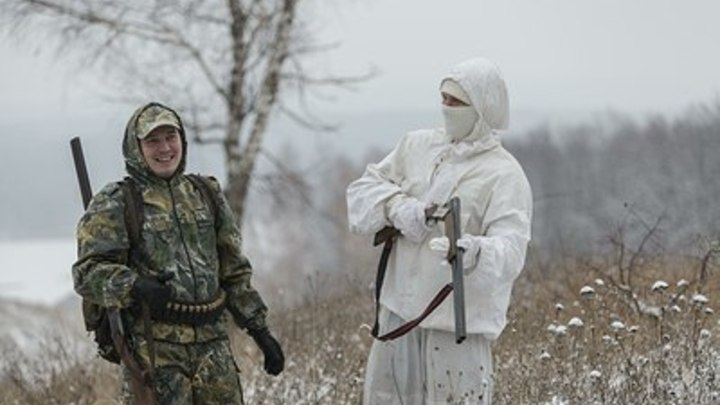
638 55
632 56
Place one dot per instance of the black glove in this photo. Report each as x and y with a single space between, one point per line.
153 290
274 357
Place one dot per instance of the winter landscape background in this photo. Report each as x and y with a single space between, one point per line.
615 118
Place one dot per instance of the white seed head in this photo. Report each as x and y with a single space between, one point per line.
699 299
651 310
617 326
682 283
599 282
575 322
675 309
545 356
708 311
559 307
595 374
587 291
704 334
660 286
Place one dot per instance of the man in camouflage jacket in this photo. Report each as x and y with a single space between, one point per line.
190 256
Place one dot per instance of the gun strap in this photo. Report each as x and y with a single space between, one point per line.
407 326
379 279
134 218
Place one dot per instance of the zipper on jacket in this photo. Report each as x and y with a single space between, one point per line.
182 240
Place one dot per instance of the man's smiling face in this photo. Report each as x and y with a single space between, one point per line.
162 150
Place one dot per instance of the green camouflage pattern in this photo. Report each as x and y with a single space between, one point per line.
196 373
179 235
153 117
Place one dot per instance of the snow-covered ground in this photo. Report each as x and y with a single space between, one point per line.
39 312
37 271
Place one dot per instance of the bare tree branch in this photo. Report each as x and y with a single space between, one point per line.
226 65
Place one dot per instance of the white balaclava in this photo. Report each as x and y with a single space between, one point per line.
479 83
459 120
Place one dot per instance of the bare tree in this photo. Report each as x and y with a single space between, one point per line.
226 65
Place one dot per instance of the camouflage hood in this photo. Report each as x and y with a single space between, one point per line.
145 117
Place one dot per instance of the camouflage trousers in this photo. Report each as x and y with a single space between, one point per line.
194 373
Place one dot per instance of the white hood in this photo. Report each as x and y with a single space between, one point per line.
484 84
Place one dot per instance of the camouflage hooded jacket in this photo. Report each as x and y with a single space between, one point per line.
179 234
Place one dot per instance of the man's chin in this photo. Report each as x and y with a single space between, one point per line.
165 174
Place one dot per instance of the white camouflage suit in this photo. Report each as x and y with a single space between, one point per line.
464 159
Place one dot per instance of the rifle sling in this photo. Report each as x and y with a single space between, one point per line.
133 221
407 326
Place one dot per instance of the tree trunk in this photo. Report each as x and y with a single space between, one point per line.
241 164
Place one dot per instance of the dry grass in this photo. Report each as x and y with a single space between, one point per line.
618 355
649 346
59 372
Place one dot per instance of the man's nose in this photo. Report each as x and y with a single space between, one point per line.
164 145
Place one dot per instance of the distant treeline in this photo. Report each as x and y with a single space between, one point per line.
595 186
619 176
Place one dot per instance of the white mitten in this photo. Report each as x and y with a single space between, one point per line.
469 244
440 245
408 216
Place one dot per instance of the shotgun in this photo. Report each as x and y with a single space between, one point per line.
455 257
449 214
139 378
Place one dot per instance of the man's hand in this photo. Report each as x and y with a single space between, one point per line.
153 290
274 357
467 244
410 218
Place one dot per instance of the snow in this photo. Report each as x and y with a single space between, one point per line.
617 326
575 322
587 291
37 271
660 285
699 299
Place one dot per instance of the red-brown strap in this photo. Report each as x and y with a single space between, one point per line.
408 326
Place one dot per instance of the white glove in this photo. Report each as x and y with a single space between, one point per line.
469 245
408 216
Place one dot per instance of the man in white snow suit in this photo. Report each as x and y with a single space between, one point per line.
428 167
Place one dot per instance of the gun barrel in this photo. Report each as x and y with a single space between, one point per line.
81 170
457 270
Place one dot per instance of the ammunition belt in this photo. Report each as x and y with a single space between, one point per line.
191 313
